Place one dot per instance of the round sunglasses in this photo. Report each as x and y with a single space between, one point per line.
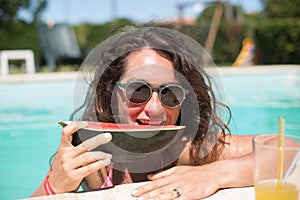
140 92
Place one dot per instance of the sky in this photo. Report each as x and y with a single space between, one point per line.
101 11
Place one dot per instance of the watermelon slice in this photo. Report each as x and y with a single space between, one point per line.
129 142
113 127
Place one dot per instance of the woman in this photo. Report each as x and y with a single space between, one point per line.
152 76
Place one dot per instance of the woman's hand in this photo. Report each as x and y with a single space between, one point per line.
196 182
190 181
72 164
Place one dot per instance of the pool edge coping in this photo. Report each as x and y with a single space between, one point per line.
50 76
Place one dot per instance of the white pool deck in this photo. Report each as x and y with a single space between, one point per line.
265 69
122 192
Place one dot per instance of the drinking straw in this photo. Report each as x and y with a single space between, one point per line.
291 167
280 153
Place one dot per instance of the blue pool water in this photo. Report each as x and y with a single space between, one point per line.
29 112
258 100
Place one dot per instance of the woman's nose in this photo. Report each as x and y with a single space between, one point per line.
154 109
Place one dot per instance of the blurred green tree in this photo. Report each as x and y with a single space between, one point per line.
277 32
281 9
17 24
14 11
230 32
90 35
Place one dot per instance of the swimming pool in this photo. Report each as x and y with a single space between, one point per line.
258 99
30 110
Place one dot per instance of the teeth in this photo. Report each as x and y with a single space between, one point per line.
151 122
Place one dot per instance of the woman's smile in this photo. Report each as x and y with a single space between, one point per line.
150 122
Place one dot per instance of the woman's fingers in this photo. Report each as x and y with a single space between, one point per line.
91 157
162 174
72 164
83 155
96 141
99 155
69 130
91 144
85 146
195 182
92 167
153 190
151 187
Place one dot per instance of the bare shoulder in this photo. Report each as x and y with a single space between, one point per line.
237 146
238 139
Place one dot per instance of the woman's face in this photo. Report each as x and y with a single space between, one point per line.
148 66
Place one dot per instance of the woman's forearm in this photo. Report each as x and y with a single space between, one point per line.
39 191
237 172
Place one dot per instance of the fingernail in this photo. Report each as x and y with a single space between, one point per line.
135 193
106 161
109 155
107 136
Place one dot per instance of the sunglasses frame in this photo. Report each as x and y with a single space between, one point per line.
153 88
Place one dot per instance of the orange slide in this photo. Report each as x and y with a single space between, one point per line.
245 57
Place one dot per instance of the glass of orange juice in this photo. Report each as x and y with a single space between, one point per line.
276 169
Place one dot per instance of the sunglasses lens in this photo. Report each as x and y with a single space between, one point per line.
138 92
172 95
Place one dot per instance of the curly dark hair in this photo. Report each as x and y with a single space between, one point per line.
199 112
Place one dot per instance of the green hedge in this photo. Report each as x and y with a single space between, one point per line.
19 36
90 35
278 40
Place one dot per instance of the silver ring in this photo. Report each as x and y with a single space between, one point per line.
177 192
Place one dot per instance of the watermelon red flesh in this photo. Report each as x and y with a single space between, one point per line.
113 126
